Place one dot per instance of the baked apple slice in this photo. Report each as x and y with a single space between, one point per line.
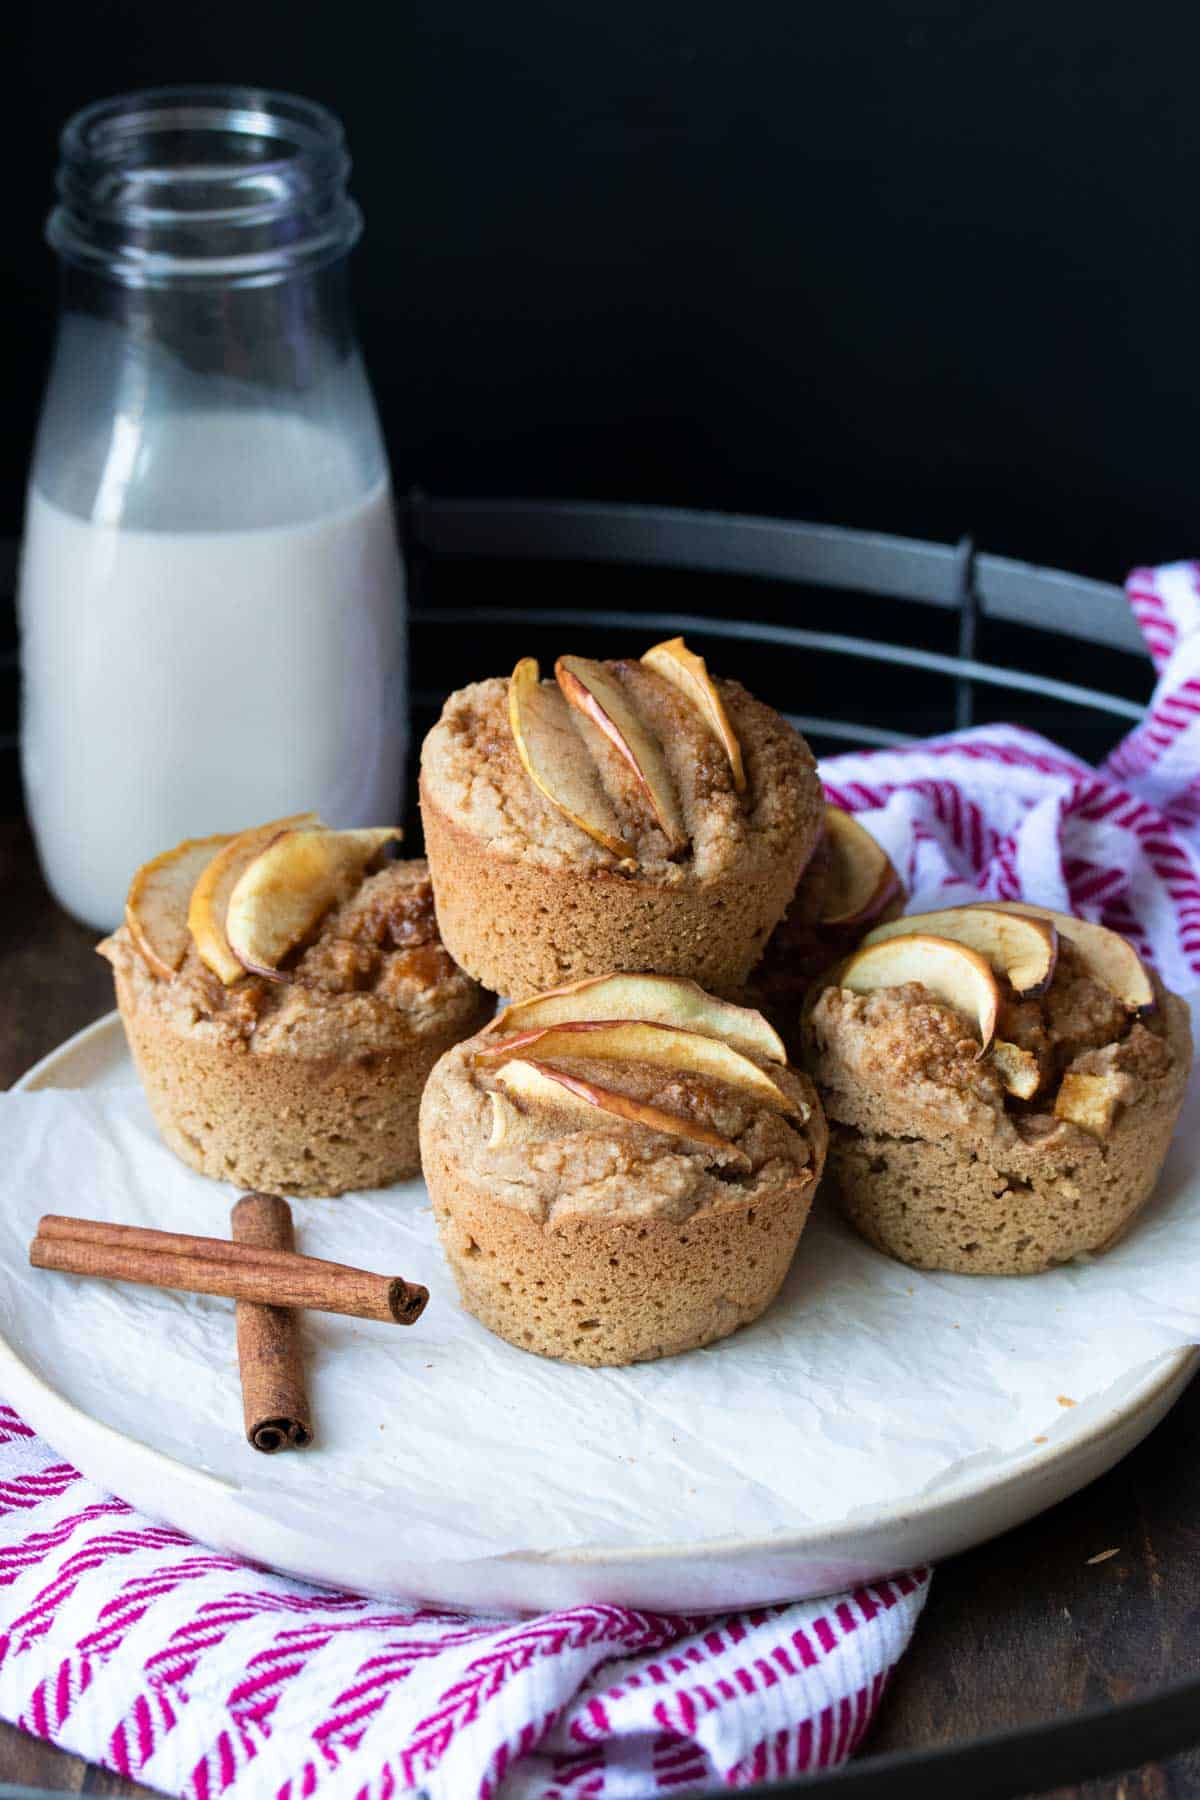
862 877
156 907
511 1127
949 971
633 1040
1107 956
556 760
600 698
537 1084
656 999
1022 949
290 884
210 896
689 673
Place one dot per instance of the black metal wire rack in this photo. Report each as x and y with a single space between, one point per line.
828 562
930 637
908 669
532 554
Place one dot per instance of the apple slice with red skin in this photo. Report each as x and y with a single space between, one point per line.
1107 956
1022 949
599 697
156 907
862 878
538 1084
689 673
210 896
290 885
634 1040
655 999
556 760
950 972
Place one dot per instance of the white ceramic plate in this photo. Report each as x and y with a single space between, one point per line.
732 1571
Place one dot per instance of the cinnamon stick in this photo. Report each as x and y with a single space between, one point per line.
197 1265
179 1243
274 1402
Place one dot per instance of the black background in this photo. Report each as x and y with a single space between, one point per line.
923 268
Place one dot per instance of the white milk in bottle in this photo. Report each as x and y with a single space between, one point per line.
180 681
211 598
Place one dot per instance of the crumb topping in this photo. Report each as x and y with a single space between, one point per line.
1078 1013
901 1041
568 1161
375 973
472 772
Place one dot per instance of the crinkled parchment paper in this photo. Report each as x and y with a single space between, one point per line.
865 1384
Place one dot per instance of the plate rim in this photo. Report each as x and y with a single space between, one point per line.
1173 1367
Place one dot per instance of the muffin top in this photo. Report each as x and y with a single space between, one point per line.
615 767
1059 1060
563 1107
368 973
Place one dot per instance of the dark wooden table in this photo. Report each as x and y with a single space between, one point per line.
1024 1629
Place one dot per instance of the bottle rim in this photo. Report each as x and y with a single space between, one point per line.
203 184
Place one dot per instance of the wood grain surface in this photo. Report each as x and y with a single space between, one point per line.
1025 1629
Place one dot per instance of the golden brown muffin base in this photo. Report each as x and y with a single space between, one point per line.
284 1124
610 1291
985 1208
519 928
606 1242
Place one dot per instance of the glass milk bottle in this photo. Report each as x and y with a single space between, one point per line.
211 596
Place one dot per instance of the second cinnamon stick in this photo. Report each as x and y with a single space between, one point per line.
274 1402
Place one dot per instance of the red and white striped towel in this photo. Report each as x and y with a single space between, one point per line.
202 1675
1001 813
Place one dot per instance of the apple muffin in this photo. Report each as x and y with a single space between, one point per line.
849 885
627 815
620 1169
285 995
1001 1083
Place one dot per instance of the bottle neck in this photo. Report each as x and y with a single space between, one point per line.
282 336
206 409
203 188
206 327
